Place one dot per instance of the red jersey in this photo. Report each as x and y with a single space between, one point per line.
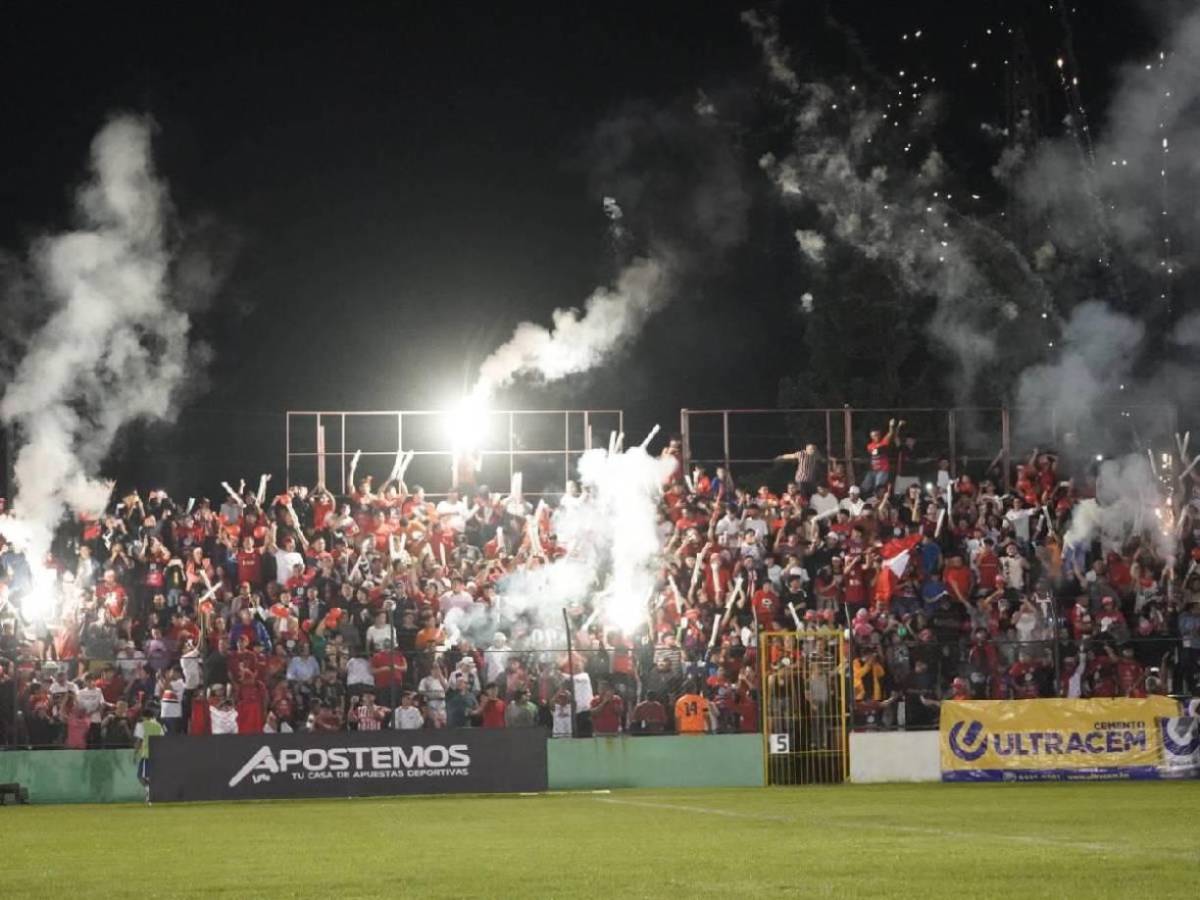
877 451
493 712
394 666
249 567
988 565
607 717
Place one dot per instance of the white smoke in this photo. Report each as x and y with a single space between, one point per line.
113 347
812 245
578 341
1099 348
612 544
1127 505
898 216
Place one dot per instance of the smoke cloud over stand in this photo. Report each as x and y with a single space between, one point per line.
113 346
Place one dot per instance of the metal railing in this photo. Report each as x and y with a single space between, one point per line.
540 444
974 440
914 676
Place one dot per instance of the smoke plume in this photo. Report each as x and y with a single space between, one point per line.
576 341
612 545
113 347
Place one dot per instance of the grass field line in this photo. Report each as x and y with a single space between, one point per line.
957 834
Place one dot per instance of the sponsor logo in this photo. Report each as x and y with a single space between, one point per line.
971 745
1181 737
969 741
354 762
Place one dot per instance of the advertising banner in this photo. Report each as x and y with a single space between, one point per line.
1181 747
1053 740
347 764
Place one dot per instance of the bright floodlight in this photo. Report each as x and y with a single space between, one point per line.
466 423
39 604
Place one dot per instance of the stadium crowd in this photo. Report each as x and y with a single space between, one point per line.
304 611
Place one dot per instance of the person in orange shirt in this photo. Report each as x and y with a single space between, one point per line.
691 712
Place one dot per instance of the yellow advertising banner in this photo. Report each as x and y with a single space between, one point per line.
1053 740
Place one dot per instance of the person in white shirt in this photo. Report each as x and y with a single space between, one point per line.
60 685
452 512
853 503
495 657
129 659
192 666
224 718
359 677
728 528
90 698
755 522
407 717
822 501
433 689
379 632
286 557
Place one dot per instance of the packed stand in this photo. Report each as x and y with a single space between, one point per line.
302 611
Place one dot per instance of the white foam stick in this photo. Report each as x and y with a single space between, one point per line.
795 616
405 463
620 441
712 641
212 589
828 514
442 552
675 588
1188 471
517 485
687 479
646 441
261 495
229 491
1187 439
353 467
191 503
1049 520
612 443
1150 456
940 519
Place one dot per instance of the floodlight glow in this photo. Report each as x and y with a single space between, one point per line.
466 423
41 602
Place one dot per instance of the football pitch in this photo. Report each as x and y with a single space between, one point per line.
1045 840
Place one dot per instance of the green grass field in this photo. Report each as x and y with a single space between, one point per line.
960 841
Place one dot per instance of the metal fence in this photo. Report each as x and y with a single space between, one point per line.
543 445
974 440
914 676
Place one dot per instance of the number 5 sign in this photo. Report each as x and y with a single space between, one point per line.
780 743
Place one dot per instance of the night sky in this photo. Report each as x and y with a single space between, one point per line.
405 182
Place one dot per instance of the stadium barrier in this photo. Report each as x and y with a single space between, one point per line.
1053 740
109 776
727 760
74 776
348 764
879 757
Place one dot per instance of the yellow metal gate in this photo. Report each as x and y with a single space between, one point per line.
805 708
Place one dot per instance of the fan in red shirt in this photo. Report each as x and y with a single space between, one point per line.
608 711
250 696
1022 677
249 563
112 595
389 667
987 564
766 604
492 707
1131 677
